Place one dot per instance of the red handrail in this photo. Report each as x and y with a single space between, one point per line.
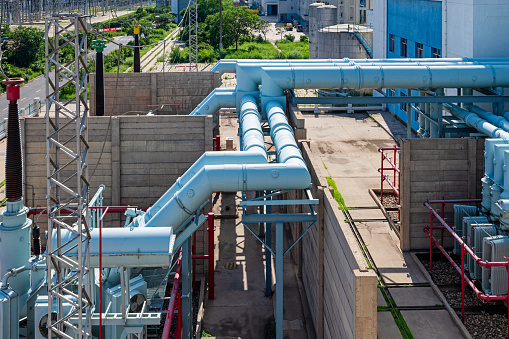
465 249
395 169
173 300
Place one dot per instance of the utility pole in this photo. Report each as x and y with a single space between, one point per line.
136 66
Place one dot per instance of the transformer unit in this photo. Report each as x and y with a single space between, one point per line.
494 280
475 239
9 314
467 223
460 212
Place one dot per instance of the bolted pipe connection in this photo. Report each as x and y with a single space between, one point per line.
14 157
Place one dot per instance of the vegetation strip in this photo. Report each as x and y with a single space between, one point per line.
392 307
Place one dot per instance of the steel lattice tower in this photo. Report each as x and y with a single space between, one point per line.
69 279
193 35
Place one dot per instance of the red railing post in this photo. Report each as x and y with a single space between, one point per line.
193 251
173 300
210 230
382 176
100 273
178 335
463 282
431 243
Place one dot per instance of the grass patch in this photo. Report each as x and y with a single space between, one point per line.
252 50
294 49
337 195
383 308
204 334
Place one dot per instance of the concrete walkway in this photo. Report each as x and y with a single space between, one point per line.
348 147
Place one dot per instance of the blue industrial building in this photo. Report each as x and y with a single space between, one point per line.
414 30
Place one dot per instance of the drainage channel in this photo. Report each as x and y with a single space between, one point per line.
382 285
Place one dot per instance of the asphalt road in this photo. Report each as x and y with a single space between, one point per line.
37 87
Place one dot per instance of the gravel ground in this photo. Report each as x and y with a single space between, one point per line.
390 201
487 323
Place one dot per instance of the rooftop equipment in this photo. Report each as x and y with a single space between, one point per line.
461 211
494 279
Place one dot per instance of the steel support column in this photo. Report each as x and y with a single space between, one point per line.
279 280
187 290
268 254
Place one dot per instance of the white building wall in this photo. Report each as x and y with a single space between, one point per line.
491 27
457 28
379 22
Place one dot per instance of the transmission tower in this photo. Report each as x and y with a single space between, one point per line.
69 278
193 35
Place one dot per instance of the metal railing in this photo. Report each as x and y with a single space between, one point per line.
393 167
465 250
30 110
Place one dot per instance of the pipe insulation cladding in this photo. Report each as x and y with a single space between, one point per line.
122 246
218 98
208 158
387 76
254 153
226 178
472 120
230 66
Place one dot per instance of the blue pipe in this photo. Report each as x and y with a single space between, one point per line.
472 120
254 153
208 158
218 98
251 129
230 66
282 135
228 178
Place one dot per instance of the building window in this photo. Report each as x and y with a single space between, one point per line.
390 92
391 42
435 52
418 50
403 47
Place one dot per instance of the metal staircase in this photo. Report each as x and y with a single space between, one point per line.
363 40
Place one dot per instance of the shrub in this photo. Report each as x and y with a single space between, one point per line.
289 37
294 54
304 38
259 38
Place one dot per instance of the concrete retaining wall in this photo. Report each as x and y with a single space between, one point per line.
340 287
142 158
134 91
434 169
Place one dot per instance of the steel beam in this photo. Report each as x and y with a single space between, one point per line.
369 100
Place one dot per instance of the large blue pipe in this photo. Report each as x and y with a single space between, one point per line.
227 178
230 66
254 152
282 135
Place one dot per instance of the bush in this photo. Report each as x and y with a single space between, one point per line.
259 38
290 37
294 54
304 38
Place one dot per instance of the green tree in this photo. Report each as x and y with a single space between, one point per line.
238 23
263 27
24 46
280 30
